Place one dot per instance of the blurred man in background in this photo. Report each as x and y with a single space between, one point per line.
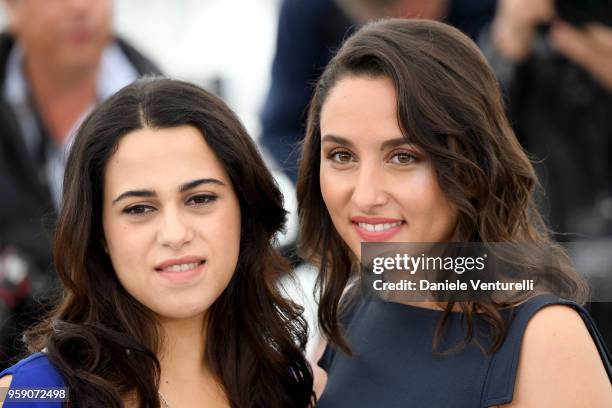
309 32
554 61
58 59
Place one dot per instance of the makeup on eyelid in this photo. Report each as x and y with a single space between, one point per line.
377 187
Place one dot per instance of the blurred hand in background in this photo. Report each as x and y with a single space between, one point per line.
589 47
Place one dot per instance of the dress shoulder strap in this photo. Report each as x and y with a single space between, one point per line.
501 376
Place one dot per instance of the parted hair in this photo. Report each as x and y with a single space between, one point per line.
450 105
102 340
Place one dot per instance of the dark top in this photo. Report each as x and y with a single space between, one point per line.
561 116
394 366
34 372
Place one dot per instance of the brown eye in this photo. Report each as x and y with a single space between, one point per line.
403 158
341 156
201 199
138 209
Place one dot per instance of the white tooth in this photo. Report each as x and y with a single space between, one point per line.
184 267
378 227
175 268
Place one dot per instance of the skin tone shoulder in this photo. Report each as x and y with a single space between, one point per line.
559 364
5 382
379 187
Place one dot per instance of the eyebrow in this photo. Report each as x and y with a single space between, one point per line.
184 187
387 144
336 139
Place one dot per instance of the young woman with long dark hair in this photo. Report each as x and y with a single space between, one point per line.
164 246
407 141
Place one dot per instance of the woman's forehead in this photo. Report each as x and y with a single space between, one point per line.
163 158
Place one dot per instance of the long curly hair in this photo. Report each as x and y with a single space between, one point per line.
101 339
450 105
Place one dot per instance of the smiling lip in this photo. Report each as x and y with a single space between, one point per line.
181 269
383 232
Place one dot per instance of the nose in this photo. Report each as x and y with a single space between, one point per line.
369 191
81 8
174 231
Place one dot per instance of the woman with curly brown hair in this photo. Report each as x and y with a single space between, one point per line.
407 141
164 246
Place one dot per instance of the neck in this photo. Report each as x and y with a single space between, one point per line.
182 353
61 95
185 377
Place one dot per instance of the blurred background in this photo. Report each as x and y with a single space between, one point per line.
553 59
225 45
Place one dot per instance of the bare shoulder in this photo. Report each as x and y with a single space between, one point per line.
5 382
320 375
559 364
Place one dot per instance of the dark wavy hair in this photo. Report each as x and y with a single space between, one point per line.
449 104
104 341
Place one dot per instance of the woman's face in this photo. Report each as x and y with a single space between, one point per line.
377 187
171 220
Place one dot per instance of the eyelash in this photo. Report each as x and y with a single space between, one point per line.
138 209
203 199
333 155
142 209
411 156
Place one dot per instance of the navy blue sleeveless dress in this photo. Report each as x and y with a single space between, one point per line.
394 366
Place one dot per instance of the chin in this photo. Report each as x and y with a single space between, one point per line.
81 60
181 310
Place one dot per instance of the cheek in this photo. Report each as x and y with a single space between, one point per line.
327 193
336 193
223 234
428 206
103 18
35 38
333 191
128 246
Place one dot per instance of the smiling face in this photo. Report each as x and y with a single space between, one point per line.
171 220
377 186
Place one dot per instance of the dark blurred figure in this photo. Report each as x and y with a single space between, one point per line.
309 32
554 60
58 60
